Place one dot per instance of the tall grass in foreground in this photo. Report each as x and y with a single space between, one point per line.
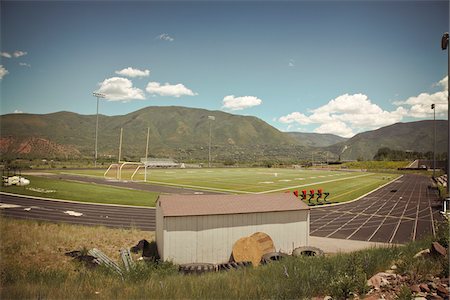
33 265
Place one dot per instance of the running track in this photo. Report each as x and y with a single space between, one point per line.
402 211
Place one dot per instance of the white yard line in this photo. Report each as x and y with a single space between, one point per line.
200 187
314 183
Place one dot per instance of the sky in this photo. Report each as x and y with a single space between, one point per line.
339 67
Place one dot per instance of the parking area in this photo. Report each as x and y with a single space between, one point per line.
402 211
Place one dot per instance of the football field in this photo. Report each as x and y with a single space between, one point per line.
342 185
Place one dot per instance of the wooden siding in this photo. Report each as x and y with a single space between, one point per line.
210 238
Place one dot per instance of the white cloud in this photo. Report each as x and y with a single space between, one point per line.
18 111
120 89
444 83
238 103
346 115
165 37
175 90
130 72
22 64
15 54
19 53
295 117
3 72
335 127
291 63
420 105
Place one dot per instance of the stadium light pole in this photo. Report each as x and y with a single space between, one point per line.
444 46
210 118
98 96
433 107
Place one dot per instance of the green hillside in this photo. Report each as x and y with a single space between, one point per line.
414 136
176 132
316 139
183 133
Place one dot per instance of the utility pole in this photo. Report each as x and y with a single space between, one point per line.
433 107
146 155
120 143
444 46
98 96
210 118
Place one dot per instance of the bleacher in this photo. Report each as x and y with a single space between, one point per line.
160 163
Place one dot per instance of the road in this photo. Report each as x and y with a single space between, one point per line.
402 211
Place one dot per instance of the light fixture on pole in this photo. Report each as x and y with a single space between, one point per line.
210 118
98 96
444 46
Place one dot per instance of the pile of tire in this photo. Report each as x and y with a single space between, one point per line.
197 268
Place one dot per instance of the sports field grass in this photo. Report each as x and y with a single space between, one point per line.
342 186
83 192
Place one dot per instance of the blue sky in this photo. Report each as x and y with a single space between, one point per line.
338 67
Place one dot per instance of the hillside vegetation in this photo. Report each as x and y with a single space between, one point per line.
183 133
412 136
177 132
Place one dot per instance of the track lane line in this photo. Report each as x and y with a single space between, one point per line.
390 211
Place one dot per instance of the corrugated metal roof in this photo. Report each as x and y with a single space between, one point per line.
199 205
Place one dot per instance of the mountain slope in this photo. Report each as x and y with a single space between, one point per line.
316 139
177 132
416 136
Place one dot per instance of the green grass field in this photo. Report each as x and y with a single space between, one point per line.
342 186
83 192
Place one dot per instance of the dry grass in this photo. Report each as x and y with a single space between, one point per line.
36 250
33 266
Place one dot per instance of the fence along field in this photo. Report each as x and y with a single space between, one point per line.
343 186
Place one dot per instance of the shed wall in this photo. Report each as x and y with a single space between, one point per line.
159 230
210 238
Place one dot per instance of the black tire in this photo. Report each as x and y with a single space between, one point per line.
272 256
307 251
196 268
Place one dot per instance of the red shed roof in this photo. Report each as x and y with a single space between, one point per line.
199 205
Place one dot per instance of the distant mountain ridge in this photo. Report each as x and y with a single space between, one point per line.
415 136
183 133
316 139
177 132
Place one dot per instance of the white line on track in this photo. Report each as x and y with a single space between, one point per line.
417 214
373 215
72 201
388 214
431 215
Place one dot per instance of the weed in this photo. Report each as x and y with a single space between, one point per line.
404 293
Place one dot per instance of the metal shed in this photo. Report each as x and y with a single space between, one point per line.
203 228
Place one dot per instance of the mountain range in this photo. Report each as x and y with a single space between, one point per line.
184 134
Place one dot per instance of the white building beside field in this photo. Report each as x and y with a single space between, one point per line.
204 228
